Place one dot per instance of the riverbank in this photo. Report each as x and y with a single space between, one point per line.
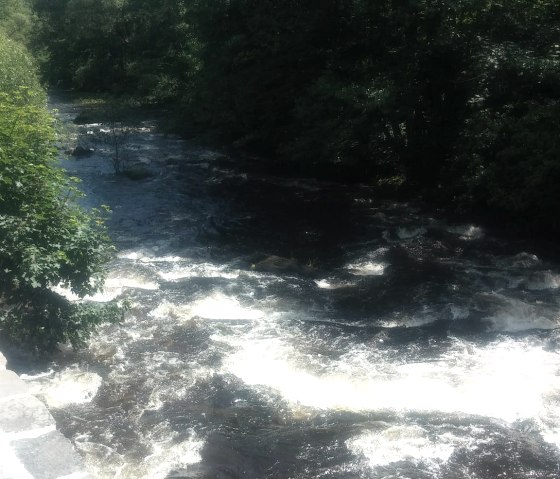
31 445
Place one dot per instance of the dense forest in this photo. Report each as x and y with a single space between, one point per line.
456 100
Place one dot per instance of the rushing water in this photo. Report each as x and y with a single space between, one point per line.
388 343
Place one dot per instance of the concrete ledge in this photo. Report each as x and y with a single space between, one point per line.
11 386
24 414
30 445
48 457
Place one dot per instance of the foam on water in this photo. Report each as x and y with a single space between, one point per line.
409 233
521 260
112 289
116 284
458 312
332 283
219 306
216 306
403 443
144 257
366 268
70 386
203 270
543 280
515 316
508 379
467 232
167 309
549 422
414 321
370 264
167 454
422 318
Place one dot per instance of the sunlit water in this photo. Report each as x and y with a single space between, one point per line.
394 344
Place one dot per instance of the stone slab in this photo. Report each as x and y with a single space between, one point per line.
30 445
11 385
10 466
24 414
50 456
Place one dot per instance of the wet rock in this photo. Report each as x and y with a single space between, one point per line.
81 151
36 449
24 414
49 456
11 385
279 264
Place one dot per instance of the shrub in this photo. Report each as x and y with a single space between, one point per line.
45 237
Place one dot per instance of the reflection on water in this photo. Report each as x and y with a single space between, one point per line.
379 342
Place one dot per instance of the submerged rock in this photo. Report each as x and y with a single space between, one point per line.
137 173
279 264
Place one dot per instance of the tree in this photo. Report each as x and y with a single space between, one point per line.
16 19
429 95
45 237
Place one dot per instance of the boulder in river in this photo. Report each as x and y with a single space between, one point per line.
280 264
81 151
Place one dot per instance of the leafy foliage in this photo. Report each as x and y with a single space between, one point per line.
142 46
16 19
430 94
45 238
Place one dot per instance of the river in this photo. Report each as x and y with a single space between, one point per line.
285 328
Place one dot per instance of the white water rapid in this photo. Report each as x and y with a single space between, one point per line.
298 329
